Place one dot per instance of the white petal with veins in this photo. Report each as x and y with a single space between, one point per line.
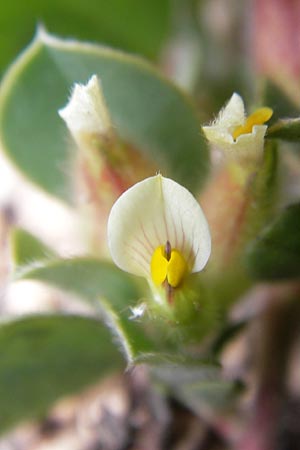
149 214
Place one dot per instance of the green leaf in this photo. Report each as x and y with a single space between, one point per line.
199 385
112 292
176 375
275 254
147 111
286 129
45 357
86 277
27 249
134 25
213 394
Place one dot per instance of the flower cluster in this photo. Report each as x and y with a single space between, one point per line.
157 229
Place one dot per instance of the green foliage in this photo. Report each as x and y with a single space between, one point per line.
134 25
198 385
112 293
213 394
147 111
275 254
27 249
286 129
45 357
88 278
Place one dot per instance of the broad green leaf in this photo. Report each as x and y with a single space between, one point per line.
275 254
27 249
88 278
134 25
287 129
113 293
198 386
147 111
213 394
176 375
45 357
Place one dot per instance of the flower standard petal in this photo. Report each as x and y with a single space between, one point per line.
153 212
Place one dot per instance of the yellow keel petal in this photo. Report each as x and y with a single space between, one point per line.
159 265
177 268
259 117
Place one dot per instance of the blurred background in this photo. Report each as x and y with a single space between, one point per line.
210 48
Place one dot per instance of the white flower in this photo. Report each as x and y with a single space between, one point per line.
238 136
157 230
86 113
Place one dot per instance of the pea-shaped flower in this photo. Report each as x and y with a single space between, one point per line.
239 137
156 229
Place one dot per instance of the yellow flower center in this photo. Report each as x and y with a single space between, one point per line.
259 117
167 264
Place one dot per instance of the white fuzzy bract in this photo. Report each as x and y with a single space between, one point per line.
86 112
